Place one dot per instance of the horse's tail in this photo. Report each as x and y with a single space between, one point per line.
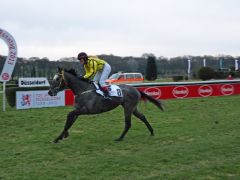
158 103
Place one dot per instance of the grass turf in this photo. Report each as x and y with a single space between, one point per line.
194 139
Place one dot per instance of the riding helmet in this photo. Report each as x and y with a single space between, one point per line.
83 55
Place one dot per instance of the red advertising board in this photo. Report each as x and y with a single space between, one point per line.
182 90
69 97
191 91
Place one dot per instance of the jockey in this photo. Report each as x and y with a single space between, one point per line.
96 69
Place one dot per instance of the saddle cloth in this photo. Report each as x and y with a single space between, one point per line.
113 90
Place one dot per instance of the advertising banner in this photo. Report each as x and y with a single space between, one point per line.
180 90
38 99
12 56
32 82
192 91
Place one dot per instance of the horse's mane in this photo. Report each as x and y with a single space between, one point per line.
74 73
71 71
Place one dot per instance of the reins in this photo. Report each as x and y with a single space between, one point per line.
62 80
84 92
61 74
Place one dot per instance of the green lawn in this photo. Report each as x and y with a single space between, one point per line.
194 139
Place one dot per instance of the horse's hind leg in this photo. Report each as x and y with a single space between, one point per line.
127 124
143 119
71 118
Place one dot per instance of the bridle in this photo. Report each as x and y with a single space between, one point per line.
62 80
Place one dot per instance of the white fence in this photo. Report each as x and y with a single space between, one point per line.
3 92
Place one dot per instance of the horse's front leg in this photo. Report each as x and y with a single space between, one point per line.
71 118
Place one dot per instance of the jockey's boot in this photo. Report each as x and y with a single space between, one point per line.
105 92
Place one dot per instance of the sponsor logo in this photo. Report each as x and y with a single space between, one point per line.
5 76
154 92
227 89
180 92
26 100
205 91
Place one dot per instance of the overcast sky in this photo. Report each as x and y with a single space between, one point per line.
63 28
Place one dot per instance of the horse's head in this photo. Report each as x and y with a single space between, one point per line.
58 83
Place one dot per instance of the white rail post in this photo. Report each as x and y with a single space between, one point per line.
4 96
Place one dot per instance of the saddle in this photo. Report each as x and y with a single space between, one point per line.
113 90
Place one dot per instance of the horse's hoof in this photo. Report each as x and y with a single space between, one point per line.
152 134
55 141
66 135
119 139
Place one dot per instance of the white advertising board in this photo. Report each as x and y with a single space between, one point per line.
32 82
38 99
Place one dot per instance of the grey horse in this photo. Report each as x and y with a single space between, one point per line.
87 101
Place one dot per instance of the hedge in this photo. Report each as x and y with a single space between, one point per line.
206 73
177 78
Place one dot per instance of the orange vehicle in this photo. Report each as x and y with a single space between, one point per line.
124 78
